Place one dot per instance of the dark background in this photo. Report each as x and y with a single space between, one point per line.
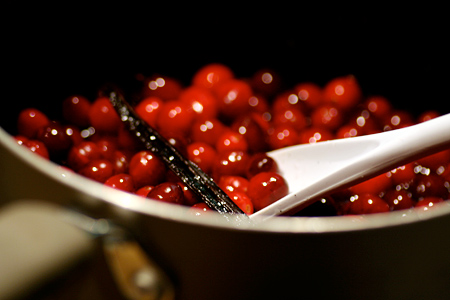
52 52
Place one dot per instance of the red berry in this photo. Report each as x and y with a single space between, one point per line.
313 135
103 117
261 162
428 115
286 101
201 100
397 119
327 116
30 121
344 92
310 94
190 198
429 185
167 192
378 106
232 183
107 147
366 204
375 185
175 116
399 199
435 161
231 163
403 174
121 181
81 154
282 136
75 110
146 169
249 127
55 138
292 117
233 96
231 141
242 201
99 170
37 147
212 75
266 82
198 209
428 202
207 131
143 191
148 109
265 188
202 154
120 162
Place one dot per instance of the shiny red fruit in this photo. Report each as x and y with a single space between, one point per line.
310 94
99 170
266 188
231 141
148 109
327 116
231 163
146 169
211 75
428 202
282 136
250 128
242 201
167 192
202 154
37 147
201 100
313 135
233 96
344 92
55 138
261 162
30 120
103 117
232 183
399 199
164 87
75 110
81 154
175 116
375 185
266 82
121 181
366 204
207 131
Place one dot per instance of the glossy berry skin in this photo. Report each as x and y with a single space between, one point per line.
103 117
99 170
30 120
175 116
375 185
37 147
314 135
164 87
428 186
120 161
212 75
242 200
366 204
233 96
207 131
327 116
146 169
122 181
231 141
266 82
75 110
81 154
202 154
428 202
378 106
199 209
55 138
201 100
310 94
167 192
148 109
143 191
232 183
399 199
266 188
261 162
231 163
344 92
282 136
250 128
292 116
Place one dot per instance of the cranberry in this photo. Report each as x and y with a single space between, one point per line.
313 135
428 115
107 147
266 188
146 169
344 92
242 201
74 133
429 185
397 119
30 121
201 100
375 185
291 116
103 117
428 202
261 162
163 87
286 101
175 116
198 209
75 110
121 181
232 183
232 96
37 147
366 204
347 131
399 199
120 162
435 161
249 127
167 192
402 174
202 154
20 139
282 136
310 94
231 163
148 110
81 154
207 131
231 141
99 170
212 75
266 82
378 106
190 198
327 116
55 138
143 191
127 140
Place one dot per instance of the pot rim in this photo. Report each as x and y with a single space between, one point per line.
127 202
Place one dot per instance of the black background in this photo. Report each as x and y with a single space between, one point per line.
52 52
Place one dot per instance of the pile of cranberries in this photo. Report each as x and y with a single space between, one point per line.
225 125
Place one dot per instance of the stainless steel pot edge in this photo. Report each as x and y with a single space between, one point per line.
126 203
